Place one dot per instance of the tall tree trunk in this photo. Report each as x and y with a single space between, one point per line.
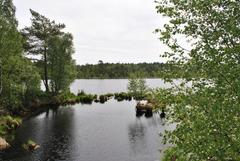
45 70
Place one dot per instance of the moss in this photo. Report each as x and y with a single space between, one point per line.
70 98
9 124
109 95
87 99
122 96
30 145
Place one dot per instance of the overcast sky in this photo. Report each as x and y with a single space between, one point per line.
109 30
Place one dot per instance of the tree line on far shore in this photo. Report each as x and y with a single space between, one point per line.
124 70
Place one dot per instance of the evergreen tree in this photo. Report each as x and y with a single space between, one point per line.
7 11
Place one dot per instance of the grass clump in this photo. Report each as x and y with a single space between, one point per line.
9 124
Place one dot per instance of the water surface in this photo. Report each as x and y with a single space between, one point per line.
103 86
97 132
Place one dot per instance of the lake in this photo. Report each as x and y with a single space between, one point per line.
103 86
97 132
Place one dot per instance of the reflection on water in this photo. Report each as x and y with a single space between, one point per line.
55 136
103 86
97 132
136 133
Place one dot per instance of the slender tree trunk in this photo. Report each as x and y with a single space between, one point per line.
45 70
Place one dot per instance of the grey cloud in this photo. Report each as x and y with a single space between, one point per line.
110 30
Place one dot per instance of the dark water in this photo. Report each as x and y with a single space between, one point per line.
97 132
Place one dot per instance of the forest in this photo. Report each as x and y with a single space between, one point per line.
121 70
21 75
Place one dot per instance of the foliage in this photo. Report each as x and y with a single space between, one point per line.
37 37
123 96
137 85
8 123
116 71
207 114
86 98
70 98
61 66
30 145
168 155
7 11
45 38
160 97
19 77
133 85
